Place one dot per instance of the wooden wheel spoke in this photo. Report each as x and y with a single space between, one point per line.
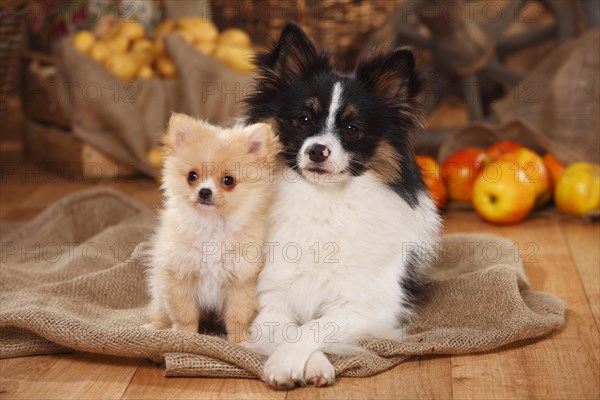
472 95
435 91
502 73
434 96
508 16
520 41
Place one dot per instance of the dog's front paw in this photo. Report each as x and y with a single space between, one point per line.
191 328
285 368
155 326
319 371
260 344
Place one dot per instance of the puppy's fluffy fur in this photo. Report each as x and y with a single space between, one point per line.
206 253
352 206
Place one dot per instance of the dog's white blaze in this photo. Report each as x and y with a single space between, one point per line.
336 96
208 183
338 158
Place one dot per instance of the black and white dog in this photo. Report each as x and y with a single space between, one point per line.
352 218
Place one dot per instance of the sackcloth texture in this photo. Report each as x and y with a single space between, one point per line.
73 279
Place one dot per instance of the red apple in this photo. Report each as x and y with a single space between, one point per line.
555 169
460 170
503 146
501 193
432 175
535 170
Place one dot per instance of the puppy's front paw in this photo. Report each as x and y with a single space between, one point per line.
285 368
155 326
192 328
319 371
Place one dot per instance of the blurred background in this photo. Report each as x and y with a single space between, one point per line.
87 86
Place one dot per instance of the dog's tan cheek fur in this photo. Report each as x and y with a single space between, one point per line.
385 163
314 105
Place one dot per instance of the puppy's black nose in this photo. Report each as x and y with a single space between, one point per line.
205 193
318 153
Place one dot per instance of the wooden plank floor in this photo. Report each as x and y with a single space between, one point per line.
562 258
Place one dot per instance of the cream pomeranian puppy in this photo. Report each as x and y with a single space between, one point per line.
207 251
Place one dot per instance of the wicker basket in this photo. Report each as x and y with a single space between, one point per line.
12 35
342 26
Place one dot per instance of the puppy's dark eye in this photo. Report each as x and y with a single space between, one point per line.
303 120
228 180
192 176
352 129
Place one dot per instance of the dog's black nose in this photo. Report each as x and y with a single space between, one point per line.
205 193
318 153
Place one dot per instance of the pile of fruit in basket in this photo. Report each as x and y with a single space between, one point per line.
507 181
129 52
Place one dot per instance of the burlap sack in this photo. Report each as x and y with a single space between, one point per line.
125 119
121 118
208 90
73 279
560 97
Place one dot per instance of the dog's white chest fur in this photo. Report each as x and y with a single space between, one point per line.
192 246
339 244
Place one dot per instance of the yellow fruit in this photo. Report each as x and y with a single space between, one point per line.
537 174
142 57
501 193
236 58
158 48
222 53
235 37
131 30
142 45
244 61
145 72
186 35
578 189
206 47
202 32
99 52
111 33
119 44
84 41
123 66
154 157
166 67
164 28
199 28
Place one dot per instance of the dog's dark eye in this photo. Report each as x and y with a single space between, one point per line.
303 120
192 176
228 180
352 129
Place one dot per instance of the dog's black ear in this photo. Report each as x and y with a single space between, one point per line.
392 75
293 55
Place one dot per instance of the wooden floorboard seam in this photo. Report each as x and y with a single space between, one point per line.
129 383
574 261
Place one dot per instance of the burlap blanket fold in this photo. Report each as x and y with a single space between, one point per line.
73 279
